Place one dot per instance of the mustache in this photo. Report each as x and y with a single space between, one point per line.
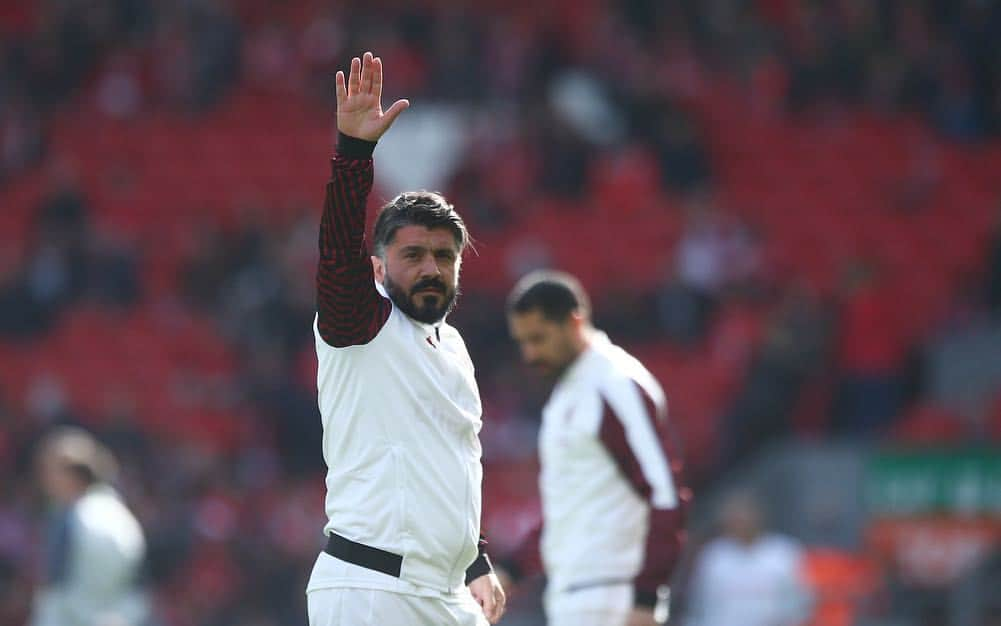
429 283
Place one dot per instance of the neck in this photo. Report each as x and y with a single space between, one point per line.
582 341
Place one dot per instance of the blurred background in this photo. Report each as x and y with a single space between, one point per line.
790 210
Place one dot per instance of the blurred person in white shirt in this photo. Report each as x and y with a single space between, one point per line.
748 577
612 483
94 546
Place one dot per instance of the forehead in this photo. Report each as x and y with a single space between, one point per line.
424 237
530 322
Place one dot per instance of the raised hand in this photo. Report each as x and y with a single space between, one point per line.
359 101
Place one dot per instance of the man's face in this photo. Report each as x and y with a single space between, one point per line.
421 272
741 519
57 482
546 346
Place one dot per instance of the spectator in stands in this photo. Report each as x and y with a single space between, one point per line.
565 156
212 39
684 163
112 271
716 252
22 140
688 301
748 576
53 274
873 353
795 347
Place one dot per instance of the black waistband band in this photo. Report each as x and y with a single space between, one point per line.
365 556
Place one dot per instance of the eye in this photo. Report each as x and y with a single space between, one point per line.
445 255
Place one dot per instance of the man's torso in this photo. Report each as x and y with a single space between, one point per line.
595 523
401 416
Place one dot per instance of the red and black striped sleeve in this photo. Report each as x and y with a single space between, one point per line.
666 532
350 311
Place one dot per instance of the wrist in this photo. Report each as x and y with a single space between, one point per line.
480 567
354 147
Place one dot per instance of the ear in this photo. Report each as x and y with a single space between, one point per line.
578 324
379 268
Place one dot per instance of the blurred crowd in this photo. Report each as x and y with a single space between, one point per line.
562 108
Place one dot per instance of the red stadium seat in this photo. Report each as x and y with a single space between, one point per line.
931 425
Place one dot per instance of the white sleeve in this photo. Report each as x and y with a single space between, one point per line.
629 432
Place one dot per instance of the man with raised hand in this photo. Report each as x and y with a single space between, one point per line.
397 396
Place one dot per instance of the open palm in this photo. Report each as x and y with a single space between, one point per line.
359 100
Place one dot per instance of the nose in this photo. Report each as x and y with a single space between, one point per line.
528 354
430 266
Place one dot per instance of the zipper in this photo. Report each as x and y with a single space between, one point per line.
464 525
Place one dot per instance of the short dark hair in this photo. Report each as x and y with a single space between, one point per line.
557 295
423 208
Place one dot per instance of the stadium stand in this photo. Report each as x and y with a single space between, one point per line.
789 210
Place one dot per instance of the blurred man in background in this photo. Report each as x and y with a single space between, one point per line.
748 577
398 398
613 498
94 546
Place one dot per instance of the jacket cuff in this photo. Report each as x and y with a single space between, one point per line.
644 598
353 148
480 567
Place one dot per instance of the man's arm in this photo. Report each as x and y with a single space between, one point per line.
485 585
349 309
482 565
634 431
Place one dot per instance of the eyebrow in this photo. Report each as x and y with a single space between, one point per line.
419 248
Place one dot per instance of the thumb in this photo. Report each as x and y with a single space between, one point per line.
394 111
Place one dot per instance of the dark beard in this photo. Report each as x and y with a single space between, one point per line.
427 312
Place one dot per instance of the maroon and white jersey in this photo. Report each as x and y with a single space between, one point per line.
400 410
612 501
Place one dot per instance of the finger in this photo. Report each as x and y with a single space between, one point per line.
341 88
500 603
377 79
494 616
366 73
489 606
394 111
354 77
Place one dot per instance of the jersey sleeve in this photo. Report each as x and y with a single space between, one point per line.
350 311
636 434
